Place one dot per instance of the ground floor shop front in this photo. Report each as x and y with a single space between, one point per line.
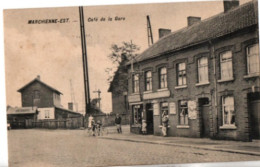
229 115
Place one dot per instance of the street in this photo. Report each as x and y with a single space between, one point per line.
40 147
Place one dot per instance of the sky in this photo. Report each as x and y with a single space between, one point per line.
53 51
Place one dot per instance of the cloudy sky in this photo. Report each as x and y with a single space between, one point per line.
53 51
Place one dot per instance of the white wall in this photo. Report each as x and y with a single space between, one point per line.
43 111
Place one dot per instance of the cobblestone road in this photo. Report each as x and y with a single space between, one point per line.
76 148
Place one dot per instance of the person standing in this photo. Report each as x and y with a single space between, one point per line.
118 123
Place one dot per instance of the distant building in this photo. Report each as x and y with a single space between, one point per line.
205 77
118 88
39 102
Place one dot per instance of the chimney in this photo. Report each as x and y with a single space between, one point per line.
163 32
70 106
230 4
192 20
38 77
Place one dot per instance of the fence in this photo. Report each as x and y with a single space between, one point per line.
68 123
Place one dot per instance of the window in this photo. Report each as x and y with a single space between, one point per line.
183 112
253 59
36 94
47 113
135 83
181 74
164 110
162 78
203 70
226 65
137 114
228 110
148 80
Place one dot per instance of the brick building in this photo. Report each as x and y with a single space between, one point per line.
205 77
39 102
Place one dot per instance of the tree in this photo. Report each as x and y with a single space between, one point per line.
127 51
120 56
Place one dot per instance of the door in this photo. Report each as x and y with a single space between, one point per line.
205 121
255 118
149 116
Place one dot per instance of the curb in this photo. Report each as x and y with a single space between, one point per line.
188 146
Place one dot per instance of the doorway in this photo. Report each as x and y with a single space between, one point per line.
254 109
149 118
205 123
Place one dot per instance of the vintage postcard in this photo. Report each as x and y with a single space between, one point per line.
141 84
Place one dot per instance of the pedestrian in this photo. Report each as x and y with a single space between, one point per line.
165 120
93 127
144 125
118 123
90 118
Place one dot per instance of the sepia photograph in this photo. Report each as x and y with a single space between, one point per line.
157 84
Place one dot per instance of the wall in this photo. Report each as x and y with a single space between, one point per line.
41 114
46 96
109 119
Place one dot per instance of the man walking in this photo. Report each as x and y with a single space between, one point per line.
118 123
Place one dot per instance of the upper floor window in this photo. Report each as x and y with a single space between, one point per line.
148 80
135 83
203 70
163 77
228 110
36 94
253 59
226 67
181 74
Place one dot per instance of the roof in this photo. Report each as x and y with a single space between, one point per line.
67 110
38 80
21 110
219 25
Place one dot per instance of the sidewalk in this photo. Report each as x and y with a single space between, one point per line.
250 148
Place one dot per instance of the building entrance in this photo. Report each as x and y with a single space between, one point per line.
149 118
205 109
254 109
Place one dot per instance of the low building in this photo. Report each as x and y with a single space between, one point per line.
39 102
205 77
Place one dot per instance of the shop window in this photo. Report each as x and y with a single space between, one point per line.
253 59
203 76
226 65
163 78
183 112
164 110
181 74
148 80
228 111
135 83
137 114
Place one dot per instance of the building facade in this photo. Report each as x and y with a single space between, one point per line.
205 77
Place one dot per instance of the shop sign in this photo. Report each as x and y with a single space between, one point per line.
172 108
192 109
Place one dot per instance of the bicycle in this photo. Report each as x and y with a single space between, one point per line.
100 130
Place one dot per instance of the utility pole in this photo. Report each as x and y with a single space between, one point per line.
84 59
149 31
